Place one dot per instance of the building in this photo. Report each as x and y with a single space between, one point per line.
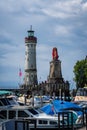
30 76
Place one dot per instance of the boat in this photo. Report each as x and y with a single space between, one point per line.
43 121
7 99
81 95
17 112
36 101
27 114
57 106
10 110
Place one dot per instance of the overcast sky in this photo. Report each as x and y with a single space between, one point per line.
57 23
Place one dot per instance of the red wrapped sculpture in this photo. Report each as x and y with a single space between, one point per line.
55 53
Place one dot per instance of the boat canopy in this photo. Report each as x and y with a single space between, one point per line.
4 92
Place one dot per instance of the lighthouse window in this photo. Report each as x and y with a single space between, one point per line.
31 66
28 45
31 45
27 59
31 75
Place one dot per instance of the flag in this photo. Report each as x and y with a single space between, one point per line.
20 73
52 108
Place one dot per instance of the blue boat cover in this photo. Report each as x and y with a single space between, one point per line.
58 106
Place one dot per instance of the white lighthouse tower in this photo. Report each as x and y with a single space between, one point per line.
30 77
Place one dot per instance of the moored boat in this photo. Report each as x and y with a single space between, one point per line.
10 111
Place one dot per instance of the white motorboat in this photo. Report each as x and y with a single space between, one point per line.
81 95
11 110
17 112
36 101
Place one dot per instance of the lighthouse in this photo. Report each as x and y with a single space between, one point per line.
30 77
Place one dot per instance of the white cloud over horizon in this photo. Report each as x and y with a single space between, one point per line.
61 24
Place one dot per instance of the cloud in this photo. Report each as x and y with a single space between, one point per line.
12 55
84 6
63 9
61 24
61 30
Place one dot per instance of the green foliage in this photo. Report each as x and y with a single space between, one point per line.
80 72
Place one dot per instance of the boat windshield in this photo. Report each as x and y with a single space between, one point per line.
33 111
4 101
82 92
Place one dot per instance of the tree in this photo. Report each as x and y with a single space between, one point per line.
80 72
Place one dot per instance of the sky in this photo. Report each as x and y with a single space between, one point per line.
57 23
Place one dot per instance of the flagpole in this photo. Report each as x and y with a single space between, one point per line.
20 75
